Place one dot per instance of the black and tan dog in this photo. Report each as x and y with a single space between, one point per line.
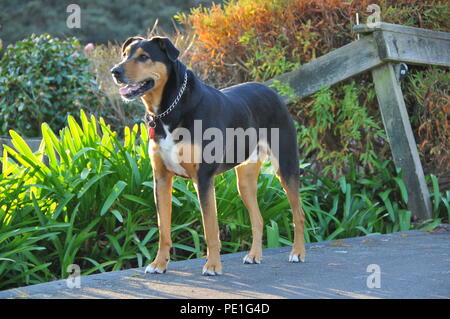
176 99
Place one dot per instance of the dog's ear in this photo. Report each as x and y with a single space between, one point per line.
167 46
129 41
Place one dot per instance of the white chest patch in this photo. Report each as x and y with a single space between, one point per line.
169 153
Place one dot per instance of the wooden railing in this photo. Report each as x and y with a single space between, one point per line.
380 50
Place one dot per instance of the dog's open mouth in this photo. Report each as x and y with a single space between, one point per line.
132 91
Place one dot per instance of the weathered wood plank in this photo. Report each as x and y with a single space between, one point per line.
336 66
414 50
401 139
397 28
408 44
382 43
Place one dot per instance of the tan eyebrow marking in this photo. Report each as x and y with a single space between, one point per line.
128 48
140 52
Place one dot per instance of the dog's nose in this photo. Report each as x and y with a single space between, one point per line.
117 71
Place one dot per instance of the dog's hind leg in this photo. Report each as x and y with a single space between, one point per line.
247 180
288 171
291 187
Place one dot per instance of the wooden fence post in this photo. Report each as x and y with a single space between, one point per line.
401 138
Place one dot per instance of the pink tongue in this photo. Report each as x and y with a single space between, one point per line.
124 90
127 89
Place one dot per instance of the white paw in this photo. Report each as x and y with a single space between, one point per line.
154 270
251 260
210 272
296 259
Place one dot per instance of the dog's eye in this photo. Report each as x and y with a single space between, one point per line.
143 57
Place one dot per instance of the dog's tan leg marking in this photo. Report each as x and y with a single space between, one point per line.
291 187
207 199
247 175
163 198
190 155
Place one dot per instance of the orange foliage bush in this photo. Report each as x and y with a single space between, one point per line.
304 28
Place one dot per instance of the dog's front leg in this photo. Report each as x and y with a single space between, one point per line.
162 179
207 199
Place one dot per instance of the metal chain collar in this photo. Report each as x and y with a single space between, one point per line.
152 118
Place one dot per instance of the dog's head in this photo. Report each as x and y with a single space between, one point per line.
145 65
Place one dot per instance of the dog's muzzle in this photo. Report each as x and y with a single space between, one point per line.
131 90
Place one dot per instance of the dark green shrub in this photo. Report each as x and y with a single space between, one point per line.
426 94
43 79
337 127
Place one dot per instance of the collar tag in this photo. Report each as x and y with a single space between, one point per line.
151 132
